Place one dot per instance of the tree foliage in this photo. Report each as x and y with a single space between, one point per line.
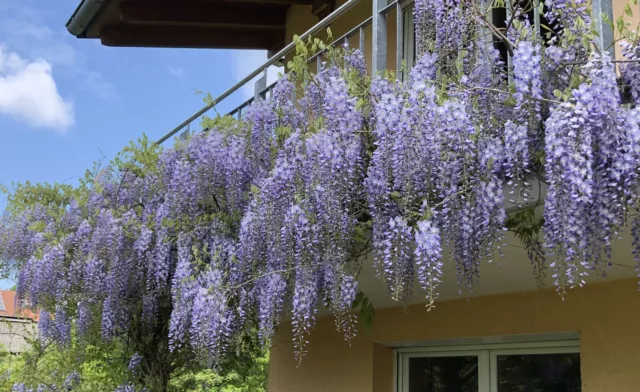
106 366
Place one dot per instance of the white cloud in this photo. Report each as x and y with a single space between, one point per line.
29 93
177 72
27 29
246 61
95 82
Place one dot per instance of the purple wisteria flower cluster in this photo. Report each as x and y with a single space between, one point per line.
631 71
241 226
433 173
592 156
299 226
71 383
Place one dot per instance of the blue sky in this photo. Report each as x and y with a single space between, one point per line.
66 102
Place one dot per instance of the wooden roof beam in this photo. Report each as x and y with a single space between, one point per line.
244 16
274 2
188 37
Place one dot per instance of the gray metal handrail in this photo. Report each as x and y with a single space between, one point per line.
359 29
262 93
378 21
272 60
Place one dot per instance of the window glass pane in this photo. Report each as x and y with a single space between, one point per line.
539 373
443 374
409 54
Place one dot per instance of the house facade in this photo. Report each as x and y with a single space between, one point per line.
509 334
17 327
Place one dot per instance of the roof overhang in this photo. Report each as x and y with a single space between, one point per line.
228 24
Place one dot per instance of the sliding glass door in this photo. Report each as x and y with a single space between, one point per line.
535 370
507 368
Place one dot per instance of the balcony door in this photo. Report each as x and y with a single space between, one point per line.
495 368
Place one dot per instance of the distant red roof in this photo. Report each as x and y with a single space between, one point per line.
8 309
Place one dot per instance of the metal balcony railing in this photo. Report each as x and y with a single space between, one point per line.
378 21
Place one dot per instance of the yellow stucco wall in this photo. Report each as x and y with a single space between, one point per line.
606 315
300 19
634 19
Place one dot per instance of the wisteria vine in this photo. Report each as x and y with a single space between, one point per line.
271 217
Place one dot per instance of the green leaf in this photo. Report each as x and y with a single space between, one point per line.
517 24
586 42
544 26
490 164
620 24
511 101
358 300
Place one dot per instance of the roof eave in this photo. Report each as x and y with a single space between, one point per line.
84 15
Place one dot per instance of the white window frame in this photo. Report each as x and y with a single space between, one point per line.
483 365
487 358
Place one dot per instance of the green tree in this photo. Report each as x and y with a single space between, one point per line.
91 363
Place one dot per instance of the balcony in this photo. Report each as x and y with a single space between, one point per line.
385 36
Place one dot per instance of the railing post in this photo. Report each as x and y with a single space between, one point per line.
399 40
509 59
486 32
273 59
605 41
379 38
185 134
361 39
259 86
536 16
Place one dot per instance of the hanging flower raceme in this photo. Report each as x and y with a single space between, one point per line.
301 221
423 16
432 163
570 176
428 255
472 213
183 294
521 132
631 71
592 161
